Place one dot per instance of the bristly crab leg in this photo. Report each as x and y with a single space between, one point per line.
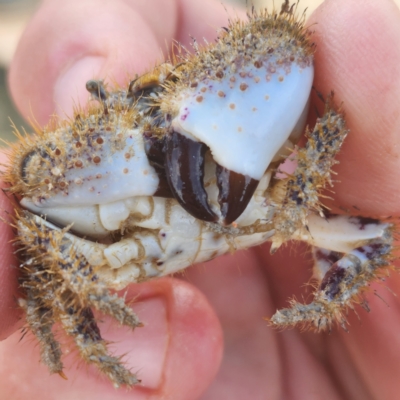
349 253
294 197
69 288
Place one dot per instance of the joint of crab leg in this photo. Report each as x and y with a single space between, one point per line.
118 254
184 163
235 193
97 90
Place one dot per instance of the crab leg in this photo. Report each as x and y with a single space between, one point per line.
353 253
40 286
40 321
68 286
79 323
295 196
79 276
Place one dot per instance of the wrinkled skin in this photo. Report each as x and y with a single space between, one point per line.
188 319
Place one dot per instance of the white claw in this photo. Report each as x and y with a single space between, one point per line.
217 114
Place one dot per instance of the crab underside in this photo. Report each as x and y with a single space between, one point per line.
137 187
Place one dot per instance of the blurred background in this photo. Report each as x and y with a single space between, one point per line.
15 14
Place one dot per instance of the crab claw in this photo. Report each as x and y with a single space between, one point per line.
247 114
184 163
235 192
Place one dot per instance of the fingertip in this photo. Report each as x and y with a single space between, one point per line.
179 349
358 57
176 353
196 347
9 310
67 44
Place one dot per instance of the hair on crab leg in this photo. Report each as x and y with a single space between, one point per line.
78 275
39 290
79 323
301 191
356 250
59 281
40 320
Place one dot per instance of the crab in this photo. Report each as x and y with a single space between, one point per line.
183 166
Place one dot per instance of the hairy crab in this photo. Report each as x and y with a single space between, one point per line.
179 168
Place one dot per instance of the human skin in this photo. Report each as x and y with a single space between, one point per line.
189 320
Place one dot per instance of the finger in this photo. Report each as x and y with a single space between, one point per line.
67 44
358 56
257 359
372 343
176 354
9 311
237 289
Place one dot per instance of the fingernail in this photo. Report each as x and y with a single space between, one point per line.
70 88
144 349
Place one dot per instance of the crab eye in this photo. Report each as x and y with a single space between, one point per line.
26 163
34 161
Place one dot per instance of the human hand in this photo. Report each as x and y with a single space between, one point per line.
178 352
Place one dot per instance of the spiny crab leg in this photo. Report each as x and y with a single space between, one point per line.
79 323
70 287
40 319
349 253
